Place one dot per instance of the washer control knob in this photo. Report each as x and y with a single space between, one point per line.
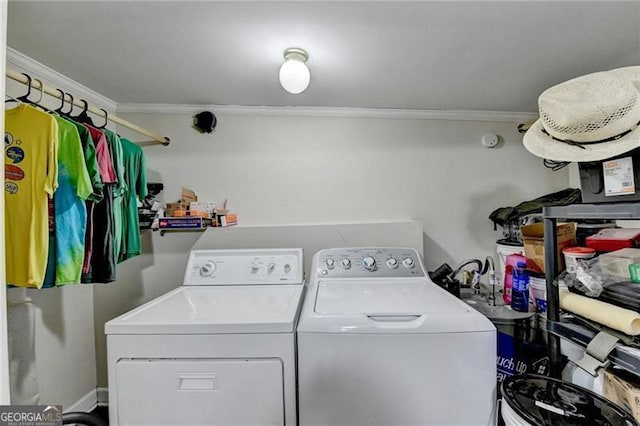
369 263
408 263
287 268
330 263
392 263
346 263
208 269
254 268
271 267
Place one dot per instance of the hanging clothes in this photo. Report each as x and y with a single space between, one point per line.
101 266
31 176
50 275
135 175
91 162
103 156
102 236
74 187
115 148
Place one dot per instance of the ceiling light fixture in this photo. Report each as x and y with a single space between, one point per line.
294 74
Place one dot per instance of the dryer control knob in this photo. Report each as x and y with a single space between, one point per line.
408 263
392 263
346 263
369 263
254 268
208 269
287 268
330 263
271 267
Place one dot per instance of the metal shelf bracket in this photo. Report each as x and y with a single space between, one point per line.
597 354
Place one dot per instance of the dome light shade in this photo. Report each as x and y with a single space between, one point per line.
294 74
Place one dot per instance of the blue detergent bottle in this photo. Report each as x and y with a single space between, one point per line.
520 289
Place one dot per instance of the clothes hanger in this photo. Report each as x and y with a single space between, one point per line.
106 119
41 91
83 117
37 103
9 98
25 98
68 113
62 99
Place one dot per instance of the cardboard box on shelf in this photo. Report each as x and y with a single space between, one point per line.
202 206
170 208
623 390
187 196
533 239
227 219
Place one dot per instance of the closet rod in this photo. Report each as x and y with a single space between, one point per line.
157 139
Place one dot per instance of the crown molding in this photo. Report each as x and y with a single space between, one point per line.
23 63
294 111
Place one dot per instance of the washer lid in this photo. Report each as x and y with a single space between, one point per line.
214 310
385 297
545 401
389 306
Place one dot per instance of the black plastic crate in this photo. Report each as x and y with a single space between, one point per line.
592 180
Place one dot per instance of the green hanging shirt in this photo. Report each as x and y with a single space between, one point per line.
136 188
115 148
91 161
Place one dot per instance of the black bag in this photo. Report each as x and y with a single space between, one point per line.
505 215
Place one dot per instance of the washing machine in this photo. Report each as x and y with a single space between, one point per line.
220 349
380 344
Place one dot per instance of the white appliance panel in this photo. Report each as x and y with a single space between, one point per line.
384 297
396 379
214 309
244 267
199 392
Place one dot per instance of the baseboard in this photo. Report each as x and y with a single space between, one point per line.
103 397
86 404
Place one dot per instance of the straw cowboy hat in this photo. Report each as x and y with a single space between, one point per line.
588 118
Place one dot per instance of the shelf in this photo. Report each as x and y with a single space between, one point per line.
622 356
165 230
593 211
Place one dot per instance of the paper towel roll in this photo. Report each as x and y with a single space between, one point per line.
620 319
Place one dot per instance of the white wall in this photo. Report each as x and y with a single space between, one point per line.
297 169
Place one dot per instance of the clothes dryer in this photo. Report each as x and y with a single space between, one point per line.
380 344
220 349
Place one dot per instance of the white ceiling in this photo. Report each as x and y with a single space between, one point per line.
474 55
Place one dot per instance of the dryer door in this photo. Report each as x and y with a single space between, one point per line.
198 392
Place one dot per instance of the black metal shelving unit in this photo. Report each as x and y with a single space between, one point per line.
556 328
